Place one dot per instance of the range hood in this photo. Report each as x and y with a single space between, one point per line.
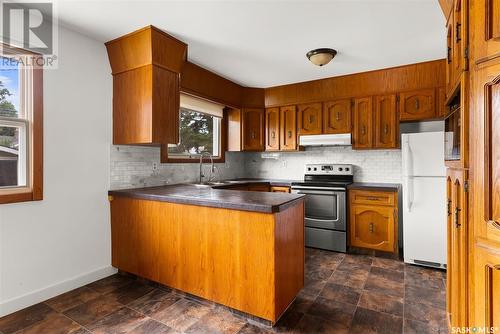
343 139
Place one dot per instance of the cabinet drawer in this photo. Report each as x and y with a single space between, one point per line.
372 197
258 187
276 189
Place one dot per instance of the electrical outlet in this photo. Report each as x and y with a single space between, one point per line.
155 166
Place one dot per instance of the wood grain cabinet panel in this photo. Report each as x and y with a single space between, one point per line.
372 227
337 116
450 73
386 122
486 29
487 287
272 129
253 129
310 118
417 105
259 187
276 189
373 219
288 128
363 123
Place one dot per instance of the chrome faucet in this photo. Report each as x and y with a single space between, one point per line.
212 167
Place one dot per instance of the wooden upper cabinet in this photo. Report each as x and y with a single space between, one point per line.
486 26
146 67
441 102
386 122
337 116
253 129
272 129
310 118
363 123
417 105
288 128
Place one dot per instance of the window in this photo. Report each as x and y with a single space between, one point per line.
200 129
20 127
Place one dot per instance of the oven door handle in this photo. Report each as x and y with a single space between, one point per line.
317 188
321 220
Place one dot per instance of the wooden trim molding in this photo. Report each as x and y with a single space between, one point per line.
35 191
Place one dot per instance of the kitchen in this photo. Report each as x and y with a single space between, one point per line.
335 187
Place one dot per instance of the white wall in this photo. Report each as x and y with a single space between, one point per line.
62 242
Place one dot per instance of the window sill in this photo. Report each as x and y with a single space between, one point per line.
18 195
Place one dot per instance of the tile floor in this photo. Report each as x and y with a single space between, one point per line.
343 294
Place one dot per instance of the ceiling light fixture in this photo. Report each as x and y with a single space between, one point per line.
321 56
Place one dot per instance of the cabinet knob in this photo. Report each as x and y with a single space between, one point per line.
253 135
289 134
457 214
370 227
449 207
417 104
448 55
458 32
337 116
386 129
363 130
311 118
273 134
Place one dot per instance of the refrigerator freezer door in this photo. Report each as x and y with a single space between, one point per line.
423 154
424 227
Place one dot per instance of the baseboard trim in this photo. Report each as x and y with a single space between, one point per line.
40 295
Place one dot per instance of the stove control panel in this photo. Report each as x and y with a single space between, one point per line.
325 169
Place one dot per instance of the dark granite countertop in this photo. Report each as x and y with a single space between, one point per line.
218 198
375 186
271 182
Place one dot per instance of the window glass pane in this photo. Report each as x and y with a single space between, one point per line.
12 156
198 133
9 87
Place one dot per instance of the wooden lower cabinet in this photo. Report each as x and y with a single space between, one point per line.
275 189
259 187
457 231
373 223
250 261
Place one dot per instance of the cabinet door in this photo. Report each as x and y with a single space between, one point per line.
441 102
373 227
386 122
253 129
288 128
449 55
487 273
310 118
485 29
272 129
460 38
337 116
363 123
457 232
417 105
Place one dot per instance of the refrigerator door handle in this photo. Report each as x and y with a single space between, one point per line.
409 195
409 174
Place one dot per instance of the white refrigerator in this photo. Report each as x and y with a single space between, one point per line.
424 198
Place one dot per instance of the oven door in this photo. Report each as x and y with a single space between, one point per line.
325 207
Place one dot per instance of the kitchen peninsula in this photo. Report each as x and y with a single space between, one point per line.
242 249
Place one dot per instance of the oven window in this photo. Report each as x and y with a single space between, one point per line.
321 206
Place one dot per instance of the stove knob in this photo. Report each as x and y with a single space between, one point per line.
315 169
347 169
340 169
309 168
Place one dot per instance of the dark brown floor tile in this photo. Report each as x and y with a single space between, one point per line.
252 329
388 264
72 298
181 315
287 322
122 321
388 255
340 293
393 275
302 303
384 286
333 310
154 301
355 279
93 310
433 316
24 318
313 286
130 292
354 267
54 323
382 303
152 327
367 321
217 321
429 296
416 279
81 331
313 325
425 272
111 283
319 273
418 327
358 259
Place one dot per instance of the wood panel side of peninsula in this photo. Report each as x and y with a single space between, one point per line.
249 261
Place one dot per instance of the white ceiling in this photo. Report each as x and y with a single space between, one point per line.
263 43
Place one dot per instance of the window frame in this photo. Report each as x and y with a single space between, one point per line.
33 191
223 145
